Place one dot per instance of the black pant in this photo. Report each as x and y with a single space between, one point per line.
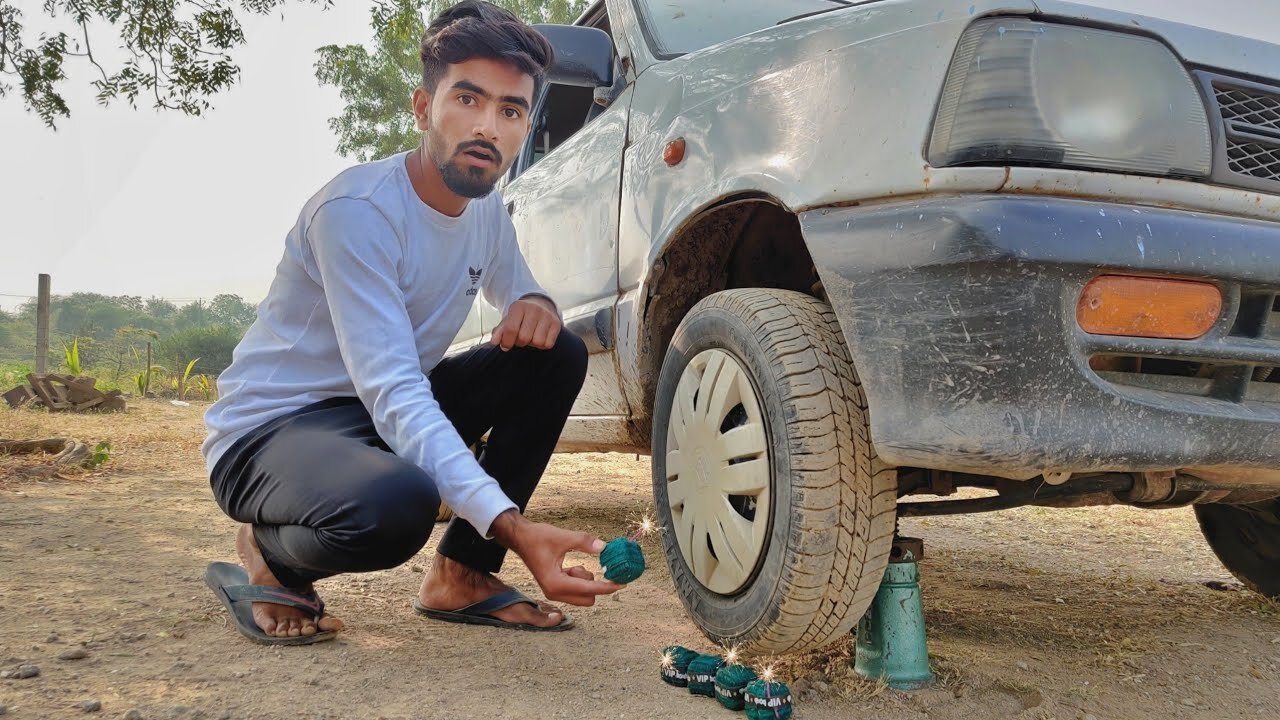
325 495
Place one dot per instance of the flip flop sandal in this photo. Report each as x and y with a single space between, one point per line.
481 613
231 584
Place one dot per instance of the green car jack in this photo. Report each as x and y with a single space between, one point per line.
891 641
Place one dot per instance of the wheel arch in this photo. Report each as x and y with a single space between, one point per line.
744 240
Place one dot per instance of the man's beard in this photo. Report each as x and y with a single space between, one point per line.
464 181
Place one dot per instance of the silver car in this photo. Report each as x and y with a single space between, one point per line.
830 254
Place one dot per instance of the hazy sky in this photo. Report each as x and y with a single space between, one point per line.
136 202
119 201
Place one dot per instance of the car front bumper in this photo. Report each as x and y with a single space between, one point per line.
960 316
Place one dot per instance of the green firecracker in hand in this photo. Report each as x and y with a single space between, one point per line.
622 558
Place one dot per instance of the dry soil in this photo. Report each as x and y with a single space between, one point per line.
1088 614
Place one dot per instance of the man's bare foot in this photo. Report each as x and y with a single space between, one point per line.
276 620
450 585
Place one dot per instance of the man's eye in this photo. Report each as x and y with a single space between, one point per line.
513 113
466 100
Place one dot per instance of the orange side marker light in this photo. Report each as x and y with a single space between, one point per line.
1148 307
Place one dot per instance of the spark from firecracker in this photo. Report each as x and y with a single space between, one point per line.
768 674
731 656
668 661
644 527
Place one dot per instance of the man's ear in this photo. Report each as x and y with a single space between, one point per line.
422 108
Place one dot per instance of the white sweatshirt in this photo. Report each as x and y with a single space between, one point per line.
373 287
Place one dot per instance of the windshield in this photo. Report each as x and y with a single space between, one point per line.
676 27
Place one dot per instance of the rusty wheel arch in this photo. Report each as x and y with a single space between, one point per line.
740 241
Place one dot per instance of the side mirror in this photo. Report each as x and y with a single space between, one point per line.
584 56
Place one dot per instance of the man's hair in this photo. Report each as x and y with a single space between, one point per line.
478 29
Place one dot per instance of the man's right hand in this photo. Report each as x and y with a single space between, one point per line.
543 548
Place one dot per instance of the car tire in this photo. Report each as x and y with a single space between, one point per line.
1246 538
827 503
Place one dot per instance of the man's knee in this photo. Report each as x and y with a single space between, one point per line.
570 356
400 510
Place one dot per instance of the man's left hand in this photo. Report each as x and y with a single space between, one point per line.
530 322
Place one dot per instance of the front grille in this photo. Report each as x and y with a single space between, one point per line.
1254 159
1251 108
1248 137
1236 380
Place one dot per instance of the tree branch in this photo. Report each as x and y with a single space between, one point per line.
88 51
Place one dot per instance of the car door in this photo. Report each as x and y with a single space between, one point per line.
564 199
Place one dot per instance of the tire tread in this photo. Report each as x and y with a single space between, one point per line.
822 593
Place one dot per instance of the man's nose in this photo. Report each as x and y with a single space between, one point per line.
487 125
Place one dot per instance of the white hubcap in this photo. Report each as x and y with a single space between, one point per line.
718 472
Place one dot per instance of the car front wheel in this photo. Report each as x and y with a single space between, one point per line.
1246 538
778 516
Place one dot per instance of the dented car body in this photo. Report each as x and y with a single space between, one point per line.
892 217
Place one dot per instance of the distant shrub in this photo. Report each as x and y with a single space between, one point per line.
211 346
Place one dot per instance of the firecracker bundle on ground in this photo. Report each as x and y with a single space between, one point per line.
735 686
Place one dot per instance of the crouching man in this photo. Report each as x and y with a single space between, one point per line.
341 425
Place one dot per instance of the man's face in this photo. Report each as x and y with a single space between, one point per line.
475 123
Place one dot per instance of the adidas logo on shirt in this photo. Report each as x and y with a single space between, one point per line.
475 278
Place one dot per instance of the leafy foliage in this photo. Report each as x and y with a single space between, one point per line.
72 355
212 345
110 333
231 311
376 82
177 52
101 454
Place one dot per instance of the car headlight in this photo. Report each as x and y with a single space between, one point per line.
1026 92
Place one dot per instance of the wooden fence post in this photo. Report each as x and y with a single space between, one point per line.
42 324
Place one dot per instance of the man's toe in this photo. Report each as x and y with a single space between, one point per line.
546 616
330 624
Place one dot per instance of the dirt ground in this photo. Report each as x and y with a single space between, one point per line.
1086 614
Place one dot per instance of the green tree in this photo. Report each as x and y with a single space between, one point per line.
176 52
213 345
18 338
376 82
160 310
126 350
226 309
194 314
91 315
